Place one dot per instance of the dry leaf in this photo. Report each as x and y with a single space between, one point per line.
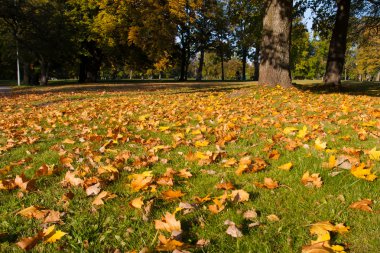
239 196
137 203
273 218
232 230
313 180
170 194
286 166
364 205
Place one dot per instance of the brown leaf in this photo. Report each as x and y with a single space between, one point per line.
225 186
268 183
93 190
169 224
28 243
322 247
364 205
232 229
250 215
239 196
313 180
104 195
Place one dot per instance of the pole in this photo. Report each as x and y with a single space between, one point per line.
18 58
18 67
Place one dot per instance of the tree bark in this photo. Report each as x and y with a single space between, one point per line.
222 64
44 72
275 44
183 62
338 44
244 63
200 67
26 74
378 77
256 64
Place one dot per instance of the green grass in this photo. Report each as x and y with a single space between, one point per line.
56 114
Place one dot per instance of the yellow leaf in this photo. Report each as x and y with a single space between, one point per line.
203 143
302 133
55 237
137 203
361 172
286 166
374 154
319 145
289 130
332 162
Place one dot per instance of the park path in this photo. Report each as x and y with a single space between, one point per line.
5 90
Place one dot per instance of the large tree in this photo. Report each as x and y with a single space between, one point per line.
275 45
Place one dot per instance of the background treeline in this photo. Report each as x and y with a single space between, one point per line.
90 40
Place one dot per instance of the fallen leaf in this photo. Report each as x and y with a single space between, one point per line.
269 183
170 194
169 224
93 190
364 205
319 145
286 166
361 172
313 180
250 215
239 196
137 203
232 230
273 218
374 154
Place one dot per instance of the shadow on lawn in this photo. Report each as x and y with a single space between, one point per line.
348 87
187 87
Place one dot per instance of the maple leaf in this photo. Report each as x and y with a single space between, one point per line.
141 181
217 207
137 203
289 130
51 235
33 212
302 133
361 172
268 183
168 244
169 224
170 194
93 190
104 195
319 145
374 154
28 243
239 196
71 179
24 184
68 141
203 143
313 180
274 154
185 173
232 230
225 186
322 247
286 166
364 205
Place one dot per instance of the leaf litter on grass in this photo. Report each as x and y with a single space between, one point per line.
160 146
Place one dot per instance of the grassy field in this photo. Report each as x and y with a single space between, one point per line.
105 164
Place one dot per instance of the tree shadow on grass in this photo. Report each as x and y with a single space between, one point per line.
186 87
353 88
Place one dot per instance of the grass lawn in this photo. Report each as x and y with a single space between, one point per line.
95 161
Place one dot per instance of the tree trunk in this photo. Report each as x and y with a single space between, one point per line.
183 63
244 63
256 64
26 74
200 67
131 74
338 44
222 64
378 77
44 72
275 45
